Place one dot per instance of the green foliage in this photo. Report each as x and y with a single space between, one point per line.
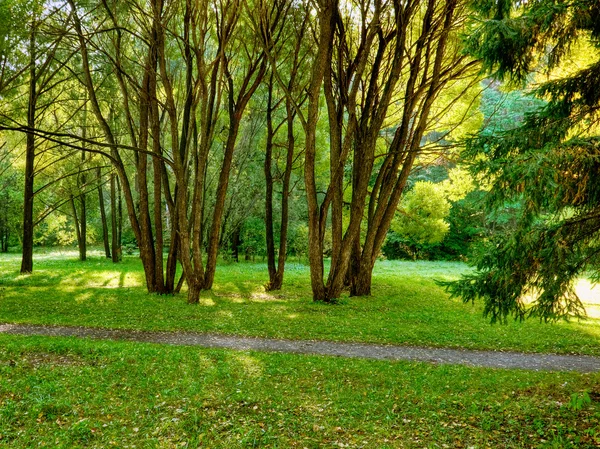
54 231
14 15
579 401
505 111
298 240
548 167
511 47
253 238
422 214
434 222
11 201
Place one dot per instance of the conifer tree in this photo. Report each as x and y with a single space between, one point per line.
549 164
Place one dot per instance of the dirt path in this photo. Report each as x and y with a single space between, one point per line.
488 359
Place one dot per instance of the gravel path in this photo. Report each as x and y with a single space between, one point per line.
488 359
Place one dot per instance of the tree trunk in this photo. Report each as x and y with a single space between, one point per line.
194 289
77 225
171 268
4 224
315 213
276 281
27 256
235 111
269 235
361 279
83 214
404 148
116 247
120 218
103 214
157 175
235 243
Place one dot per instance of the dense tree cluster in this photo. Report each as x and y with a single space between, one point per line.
201 127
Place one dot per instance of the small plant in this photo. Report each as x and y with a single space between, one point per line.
579 400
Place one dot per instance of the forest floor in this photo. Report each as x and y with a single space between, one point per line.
488 359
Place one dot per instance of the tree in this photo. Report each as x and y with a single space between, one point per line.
44 70
383 66
288 57
549 164
423 213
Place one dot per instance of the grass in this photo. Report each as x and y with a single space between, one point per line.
407 307
70 393
77 393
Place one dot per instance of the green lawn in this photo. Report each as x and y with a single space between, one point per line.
407 307
68 393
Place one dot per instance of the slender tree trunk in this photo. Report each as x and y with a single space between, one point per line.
235 243
269 235
276 281
116 247
145 239
213 243
27 256
4 224
83 214
103 214
285 201
120 218
235 111
76 223
157 193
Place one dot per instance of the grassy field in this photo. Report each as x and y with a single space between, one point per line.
407 307
70 393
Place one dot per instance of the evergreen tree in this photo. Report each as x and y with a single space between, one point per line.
549 164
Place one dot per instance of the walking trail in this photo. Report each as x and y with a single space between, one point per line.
488 359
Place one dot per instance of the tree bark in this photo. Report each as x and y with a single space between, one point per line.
116 247
316 220
361 278
269 235
27 255
82 240
105 239
76 223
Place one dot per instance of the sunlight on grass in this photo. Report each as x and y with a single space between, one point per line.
407 307
22 277
251 366
83 297
590 297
